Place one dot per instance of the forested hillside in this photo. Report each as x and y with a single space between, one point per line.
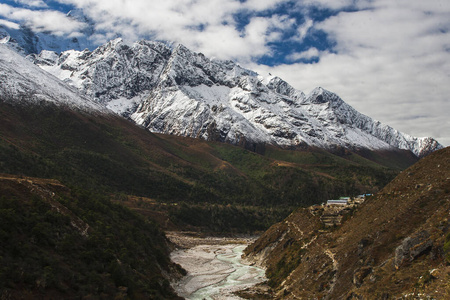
111 155
60 243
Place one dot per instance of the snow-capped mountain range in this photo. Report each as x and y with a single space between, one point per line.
177 91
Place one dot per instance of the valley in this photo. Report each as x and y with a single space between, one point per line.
196 162
162 182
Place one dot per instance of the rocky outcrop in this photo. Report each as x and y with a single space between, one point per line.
412 247
360 274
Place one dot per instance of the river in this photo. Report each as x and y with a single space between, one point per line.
215 270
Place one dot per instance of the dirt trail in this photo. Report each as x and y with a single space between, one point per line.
335 270
289 277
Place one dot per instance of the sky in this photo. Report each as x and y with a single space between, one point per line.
388 59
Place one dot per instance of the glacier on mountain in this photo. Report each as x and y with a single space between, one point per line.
177 91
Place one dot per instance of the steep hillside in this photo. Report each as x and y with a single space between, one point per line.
61 243
396 244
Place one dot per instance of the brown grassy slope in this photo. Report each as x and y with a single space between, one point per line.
362 259
417 201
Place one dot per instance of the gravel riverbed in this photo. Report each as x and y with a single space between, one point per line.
214 267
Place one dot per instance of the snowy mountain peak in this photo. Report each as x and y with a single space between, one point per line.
185 93
281 87
319 96
113 45
187 68
23 81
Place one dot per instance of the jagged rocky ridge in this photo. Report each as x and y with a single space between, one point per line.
177 91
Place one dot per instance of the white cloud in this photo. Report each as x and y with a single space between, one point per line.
261 30
261 5
207 26
333 4
32 3
192 23
303 29
42 20
308 54
225 42
9 24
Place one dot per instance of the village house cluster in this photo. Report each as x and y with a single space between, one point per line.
332 212
348 200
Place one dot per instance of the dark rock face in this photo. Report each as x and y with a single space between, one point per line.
363 243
